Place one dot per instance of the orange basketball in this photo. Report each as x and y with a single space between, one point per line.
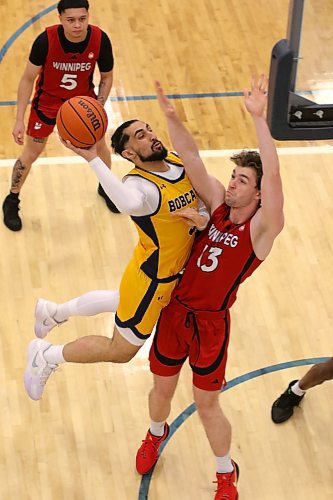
82 120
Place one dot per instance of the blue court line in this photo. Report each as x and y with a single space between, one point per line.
186 96
175 96
146 479
11 40
154 98
8 103
199 95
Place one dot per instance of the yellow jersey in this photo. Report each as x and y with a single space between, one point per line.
165 242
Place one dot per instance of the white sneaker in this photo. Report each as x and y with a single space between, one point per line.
44 317
38 369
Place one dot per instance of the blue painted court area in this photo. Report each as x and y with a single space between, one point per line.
146 479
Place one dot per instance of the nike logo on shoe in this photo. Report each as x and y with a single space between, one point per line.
34 364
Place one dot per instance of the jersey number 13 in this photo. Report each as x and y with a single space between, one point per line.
210 256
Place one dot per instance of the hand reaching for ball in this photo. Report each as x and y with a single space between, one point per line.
82 120
88 154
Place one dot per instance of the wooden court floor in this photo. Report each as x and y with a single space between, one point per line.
79 442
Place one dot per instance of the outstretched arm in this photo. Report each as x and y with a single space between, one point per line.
128 200
269 218
211 192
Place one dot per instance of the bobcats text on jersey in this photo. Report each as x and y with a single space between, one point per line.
182 201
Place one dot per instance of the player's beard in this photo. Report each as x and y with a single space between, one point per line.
155 155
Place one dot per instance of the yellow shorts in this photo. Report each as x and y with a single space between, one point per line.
141 301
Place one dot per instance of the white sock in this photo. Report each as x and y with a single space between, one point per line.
297 390
157 428
53 354
224 464
88 304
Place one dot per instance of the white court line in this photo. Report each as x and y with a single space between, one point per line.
213 153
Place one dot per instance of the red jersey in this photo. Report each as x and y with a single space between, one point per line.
221 259
65 74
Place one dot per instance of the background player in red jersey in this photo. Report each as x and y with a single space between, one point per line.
63 60
245 220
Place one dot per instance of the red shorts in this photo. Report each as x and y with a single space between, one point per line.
202 336
43 119
38 127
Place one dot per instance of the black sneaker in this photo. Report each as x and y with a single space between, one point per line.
283 407
11 217
111 206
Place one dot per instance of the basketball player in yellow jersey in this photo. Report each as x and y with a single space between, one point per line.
152 193
159 256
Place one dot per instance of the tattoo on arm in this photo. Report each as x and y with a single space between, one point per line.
100 98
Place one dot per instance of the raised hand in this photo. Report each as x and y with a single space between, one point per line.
163 101
255 101
88 154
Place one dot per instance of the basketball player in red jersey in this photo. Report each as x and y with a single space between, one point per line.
245 220
62 59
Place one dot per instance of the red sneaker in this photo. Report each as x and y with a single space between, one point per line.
227 484
147 454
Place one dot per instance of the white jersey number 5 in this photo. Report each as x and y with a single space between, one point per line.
68 81
212 257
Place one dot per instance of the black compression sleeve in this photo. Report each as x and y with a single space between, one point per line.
39 50
105 61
